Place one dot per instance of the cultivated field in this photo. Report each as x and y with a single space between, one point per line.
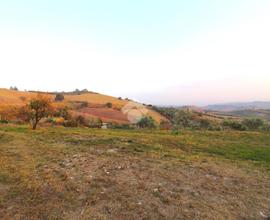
61 173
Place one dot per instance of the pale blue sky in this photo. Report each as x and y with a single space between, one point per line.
128 48
147 24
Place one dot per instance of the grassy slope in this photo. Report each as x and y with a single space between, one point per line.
63 173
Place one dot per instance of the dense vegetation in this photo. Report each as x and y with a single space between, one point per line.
190 119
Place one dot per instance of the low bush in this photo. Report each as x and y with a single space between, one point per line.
70 123
109 105
95 123
120 126
146 122
253 123
235 125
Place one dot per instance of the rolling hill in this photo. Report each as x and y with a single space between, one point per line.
238 106
89 105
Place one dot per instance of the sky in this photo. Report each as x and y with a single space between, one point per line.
169 52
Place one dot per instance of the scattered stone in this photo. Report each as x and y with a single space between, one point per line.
264 216
112 151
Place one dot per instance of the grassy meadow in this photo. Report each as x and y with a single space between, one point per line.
78 173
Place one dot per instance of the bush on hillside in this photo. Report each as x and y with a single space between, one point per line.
183 119
253 123
109 105
59 97
81 120
235 125
95 123
265 127
62 112
146 122
119 126
70 123
165 125
84 105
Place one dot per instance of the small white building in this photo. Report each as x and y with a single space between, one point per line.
104 126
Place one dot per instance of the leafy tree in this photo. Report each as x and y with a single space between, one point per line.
13 88
146 122
38 107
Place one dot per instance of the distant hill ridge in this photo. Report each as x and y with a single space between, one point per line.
237 106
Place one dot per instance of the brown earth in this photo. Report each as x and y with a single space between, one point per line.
106 114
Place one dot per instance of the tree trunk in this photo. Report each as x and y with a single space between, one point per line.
34 125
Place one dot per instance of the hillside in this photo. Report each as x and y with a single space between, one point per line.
88 104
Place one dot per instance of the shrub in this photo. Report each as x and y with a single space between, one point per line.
81 120
265 127
95 123
253 123
50 120
165 125
70 123
119 126
183 119
109 105
23 98
146 122
84 105
62 112
235 125
59 97
205 124
4 121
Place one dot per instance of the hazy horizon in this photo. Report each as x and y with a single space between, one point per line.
158 52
